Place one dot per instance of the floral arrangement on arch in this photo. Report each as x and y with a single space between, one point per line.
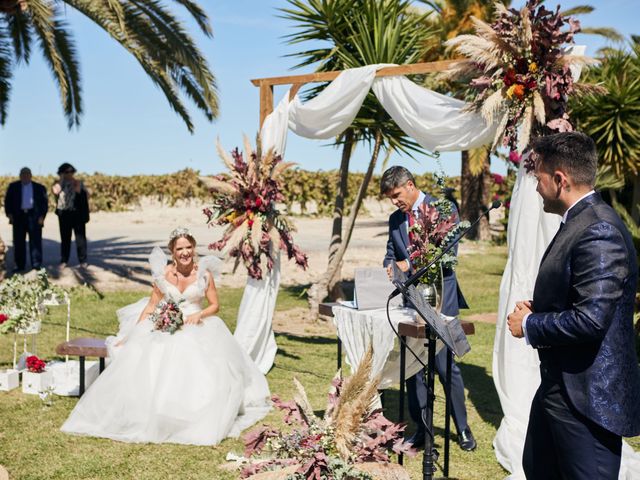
435 225
245 202
353 440
520 72
22 298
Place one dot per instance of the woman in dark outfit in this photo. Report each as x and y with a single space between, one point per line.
72 208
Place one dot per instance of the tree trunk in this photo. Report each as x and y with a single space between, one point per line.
319 291
475 194
334 286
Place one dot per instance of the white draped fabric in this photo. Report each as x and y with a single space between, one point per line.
358 329
253 330
515 364
435 121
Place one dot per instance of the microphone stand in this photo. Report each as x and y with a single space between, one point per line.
430 453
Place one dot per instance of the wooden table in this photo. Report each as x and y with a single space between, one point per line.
84 347
413 330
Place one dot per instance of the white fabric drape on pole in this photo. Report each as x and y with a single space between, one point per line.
435 121
255 315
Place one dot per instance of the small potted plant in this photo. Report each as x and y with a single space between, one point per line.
37 378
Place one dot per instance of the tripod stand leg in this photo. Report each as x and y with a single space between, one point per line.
428 461
403 360
447 414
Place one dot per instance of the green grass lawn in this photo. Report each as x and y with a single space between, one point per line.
32 447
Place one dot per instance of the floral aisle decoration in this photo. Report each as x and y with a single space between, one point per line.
352 441
36 379
22 300
519 71
435 226
245 201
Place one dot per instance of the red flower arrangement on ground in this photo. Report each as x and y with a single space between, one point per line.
35 364
245 201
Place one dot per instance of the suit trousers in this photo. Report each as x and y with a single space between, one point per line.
561 443
417 393
69 222
27 223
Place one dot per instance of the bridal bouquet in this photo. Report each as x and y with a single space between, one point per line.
435 226
245 202
520 71
167 317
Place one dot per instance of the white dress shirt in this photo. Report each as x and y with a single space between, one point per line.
27 196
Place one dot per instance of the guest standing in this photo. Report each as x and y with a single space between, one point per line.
25 204
581 322
72 208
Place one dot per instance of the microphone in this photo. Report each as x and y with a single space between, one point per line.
413 279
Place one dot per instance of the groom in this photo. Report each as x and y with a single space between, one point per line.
399 186
581 322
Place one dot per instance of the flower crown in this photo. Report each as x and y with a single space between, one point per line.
179 232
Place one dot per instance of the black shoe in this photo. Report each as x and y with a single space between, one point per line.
417 439
466 440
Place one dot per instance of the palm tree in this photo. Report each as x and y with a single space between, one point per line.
613 120
357 33
145 28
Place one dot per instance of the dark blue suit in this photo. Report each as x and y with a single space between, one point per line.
26 222
452 301
583 329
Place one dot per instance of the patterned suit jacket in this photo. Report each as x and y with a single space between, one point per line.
397 250
583 322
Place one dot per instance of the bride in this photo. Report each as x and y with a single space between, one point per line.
196 386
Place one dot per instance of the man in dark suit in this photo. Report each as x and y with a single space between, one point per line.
581 322
398 185
25 204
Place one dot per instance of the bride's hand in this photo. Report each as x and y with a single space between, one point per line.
193 319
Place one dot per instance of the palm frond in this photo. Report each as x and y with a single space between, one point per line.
477 160
608 33
578 10
20 31
6 74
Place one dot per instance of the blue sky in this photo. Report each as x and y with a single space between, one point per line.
128 127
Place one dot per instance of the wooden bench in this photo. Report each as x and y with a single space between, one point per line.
84 347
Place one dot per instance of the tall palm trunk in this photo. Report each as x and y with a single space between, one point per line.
475 193
338 213
320 289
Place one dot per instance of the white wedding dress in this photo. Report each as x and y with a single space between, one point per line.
196 386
